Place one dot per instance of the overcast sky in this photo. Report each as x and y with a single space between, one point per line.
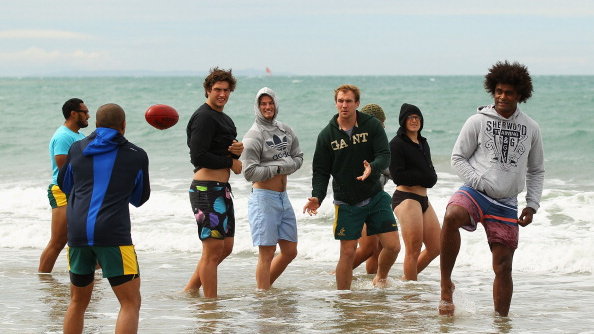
303 37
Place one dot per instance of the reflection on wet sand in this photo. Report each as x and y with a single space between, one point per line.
55 293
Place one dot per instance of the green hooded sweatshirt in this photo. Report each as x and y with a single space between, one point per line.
342 156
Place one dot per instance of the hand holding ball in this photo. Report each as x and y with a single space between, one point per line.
161 116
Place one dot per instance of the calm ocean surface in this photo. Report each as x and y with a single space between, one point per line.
553 267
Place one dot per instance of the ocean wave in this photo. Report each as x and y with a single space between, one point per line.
560 240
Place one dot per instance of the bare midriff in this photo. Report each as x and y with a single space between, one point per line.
206 174
275 183
421 191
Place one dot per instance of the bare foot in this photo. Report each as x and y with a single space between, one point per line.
380 282
446 308
446 304
192 292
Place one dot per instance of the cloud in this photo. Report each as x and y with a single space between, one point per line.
39 55
541 8
41 34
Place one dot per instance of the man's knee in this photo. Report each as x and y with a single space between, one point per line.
502 260
366 251
455 217
266 253
227 249
348 249
502 268
213 254
226 252
128 293
390 242
290 253
394 249
134 302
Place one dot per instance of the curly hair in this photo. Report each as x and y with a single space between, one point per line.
514 74
215 75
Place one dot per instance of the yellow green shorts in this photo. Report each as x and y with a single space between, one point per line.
114 260
56 196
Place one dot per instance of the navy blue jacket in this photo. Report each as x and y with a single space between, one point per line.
104 172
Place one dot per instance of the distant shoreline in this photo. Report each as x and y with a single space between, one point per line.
249 74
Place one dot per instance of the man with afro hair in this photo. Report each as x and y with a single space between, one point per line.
498 152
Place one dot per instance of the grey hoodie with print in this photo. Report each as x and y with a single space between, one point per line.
270 147
499 156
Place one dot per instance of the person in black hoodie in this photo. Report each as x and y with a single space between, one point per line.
412 171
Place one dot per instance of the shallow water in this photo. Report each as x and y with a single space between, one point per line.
303 300
553 266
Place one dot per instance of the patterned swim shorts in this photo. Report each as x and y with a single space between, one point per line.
213 209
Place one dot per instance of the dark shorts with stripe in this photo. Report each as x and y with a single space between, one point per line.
376 215
499 220
213 209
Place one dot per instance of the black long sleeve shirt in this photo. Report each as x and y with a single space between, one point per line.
209 135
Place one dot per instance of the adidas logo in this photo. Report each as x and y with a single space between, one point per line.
278 143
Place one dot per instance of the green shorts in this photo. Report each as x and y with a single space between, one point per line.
114 260
377 215
56 196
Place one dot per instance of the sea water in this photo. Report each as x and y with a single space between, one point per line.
553 265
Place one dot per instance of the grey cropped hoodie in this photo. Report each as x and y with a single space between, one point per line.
270 147
500 156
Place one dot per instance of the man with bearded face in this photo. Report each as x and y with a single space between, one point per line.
76 115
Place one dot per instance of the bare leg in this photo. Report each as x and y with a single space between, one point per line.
410 216
344 268
129 297
214 251
390 248
455 217
57 241
75 314
194 283
431 235
367 246
265 255
503 285
288 252
371 262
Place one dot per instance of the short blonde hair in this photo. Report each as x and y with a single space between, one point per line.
346 88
